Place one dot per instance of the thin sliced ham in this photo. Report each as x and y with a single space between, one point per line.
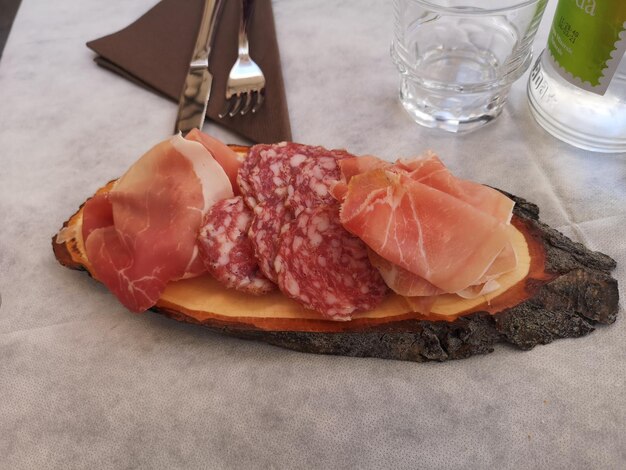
479 289
222 153
402 281
142 234
428 232
430 170
98 213
351 167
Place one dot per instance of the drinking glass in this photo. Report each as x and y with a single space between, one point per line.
458 58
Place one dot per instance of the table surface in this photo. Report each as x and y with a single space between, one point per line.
86 384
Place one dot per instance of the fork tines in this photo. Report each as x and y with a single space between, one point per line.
243 103
246 78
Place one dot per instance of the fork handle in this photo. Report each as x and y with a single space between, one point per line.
247 7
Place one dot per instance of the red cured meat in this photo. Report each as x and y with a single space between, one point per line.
97 213
350 167
355 166
401 281
279 180
310 187
505 262
226 249
148 237
269 170
429 170
195 267
223 154
268 223
325 268
266 172
440 238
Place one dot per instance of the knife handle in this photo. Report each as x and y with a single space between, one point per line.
206 33
196 91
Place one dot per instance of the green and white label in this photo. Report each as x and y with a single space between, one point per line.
587 41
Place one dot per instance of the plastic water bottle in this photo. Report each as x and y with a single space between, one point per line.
577 88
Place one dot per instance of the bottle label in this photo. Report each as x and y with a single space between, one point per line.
587 41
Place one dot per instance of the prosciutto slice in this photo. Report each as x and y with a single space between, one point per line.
402 281
222 153
430 233
431 171
142 234
354 166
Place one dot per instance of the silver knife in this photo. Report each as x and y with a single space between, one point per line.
195 95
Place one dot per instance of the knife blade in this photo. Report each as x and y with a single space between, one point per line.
194 97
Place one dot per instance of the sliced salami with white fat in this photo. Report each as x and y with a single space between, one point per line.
266 172
270 169
310 185
226 249
267 225
325 268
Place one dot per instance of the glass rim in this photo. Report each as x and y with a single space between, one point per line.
476 10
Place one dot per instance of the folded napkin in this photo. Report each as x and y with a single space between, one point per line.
155 52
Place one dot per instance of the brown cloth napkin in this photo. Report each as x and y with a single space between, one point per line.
155 52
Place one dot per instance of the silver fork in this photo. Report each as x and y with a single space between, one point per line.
246 78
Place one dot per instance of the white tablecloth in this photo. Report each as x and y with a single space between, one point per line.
86 384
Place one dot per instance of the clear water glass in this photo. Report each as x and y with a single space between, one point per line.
458 58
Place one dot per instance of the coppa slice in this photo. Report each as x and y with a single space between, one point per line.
226 249
142 234
325 268
428 232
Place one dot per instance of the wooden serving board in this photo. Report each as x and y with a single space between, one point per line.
560 290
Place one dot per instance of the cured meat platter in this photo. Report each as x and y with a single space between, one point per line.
298 262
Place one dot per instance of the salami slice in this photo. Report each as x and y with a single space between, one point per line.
265 173
265 230
310 186
325 268
268 170
226 249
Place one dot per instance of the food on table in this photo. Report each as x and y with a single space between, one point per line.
270 219
324 267
228 159
226 250
269 170
429 171
310 185
402 281
321 235
143 233
442 239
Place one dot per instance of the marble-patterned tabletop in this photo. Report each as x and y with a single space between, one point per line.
86 384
